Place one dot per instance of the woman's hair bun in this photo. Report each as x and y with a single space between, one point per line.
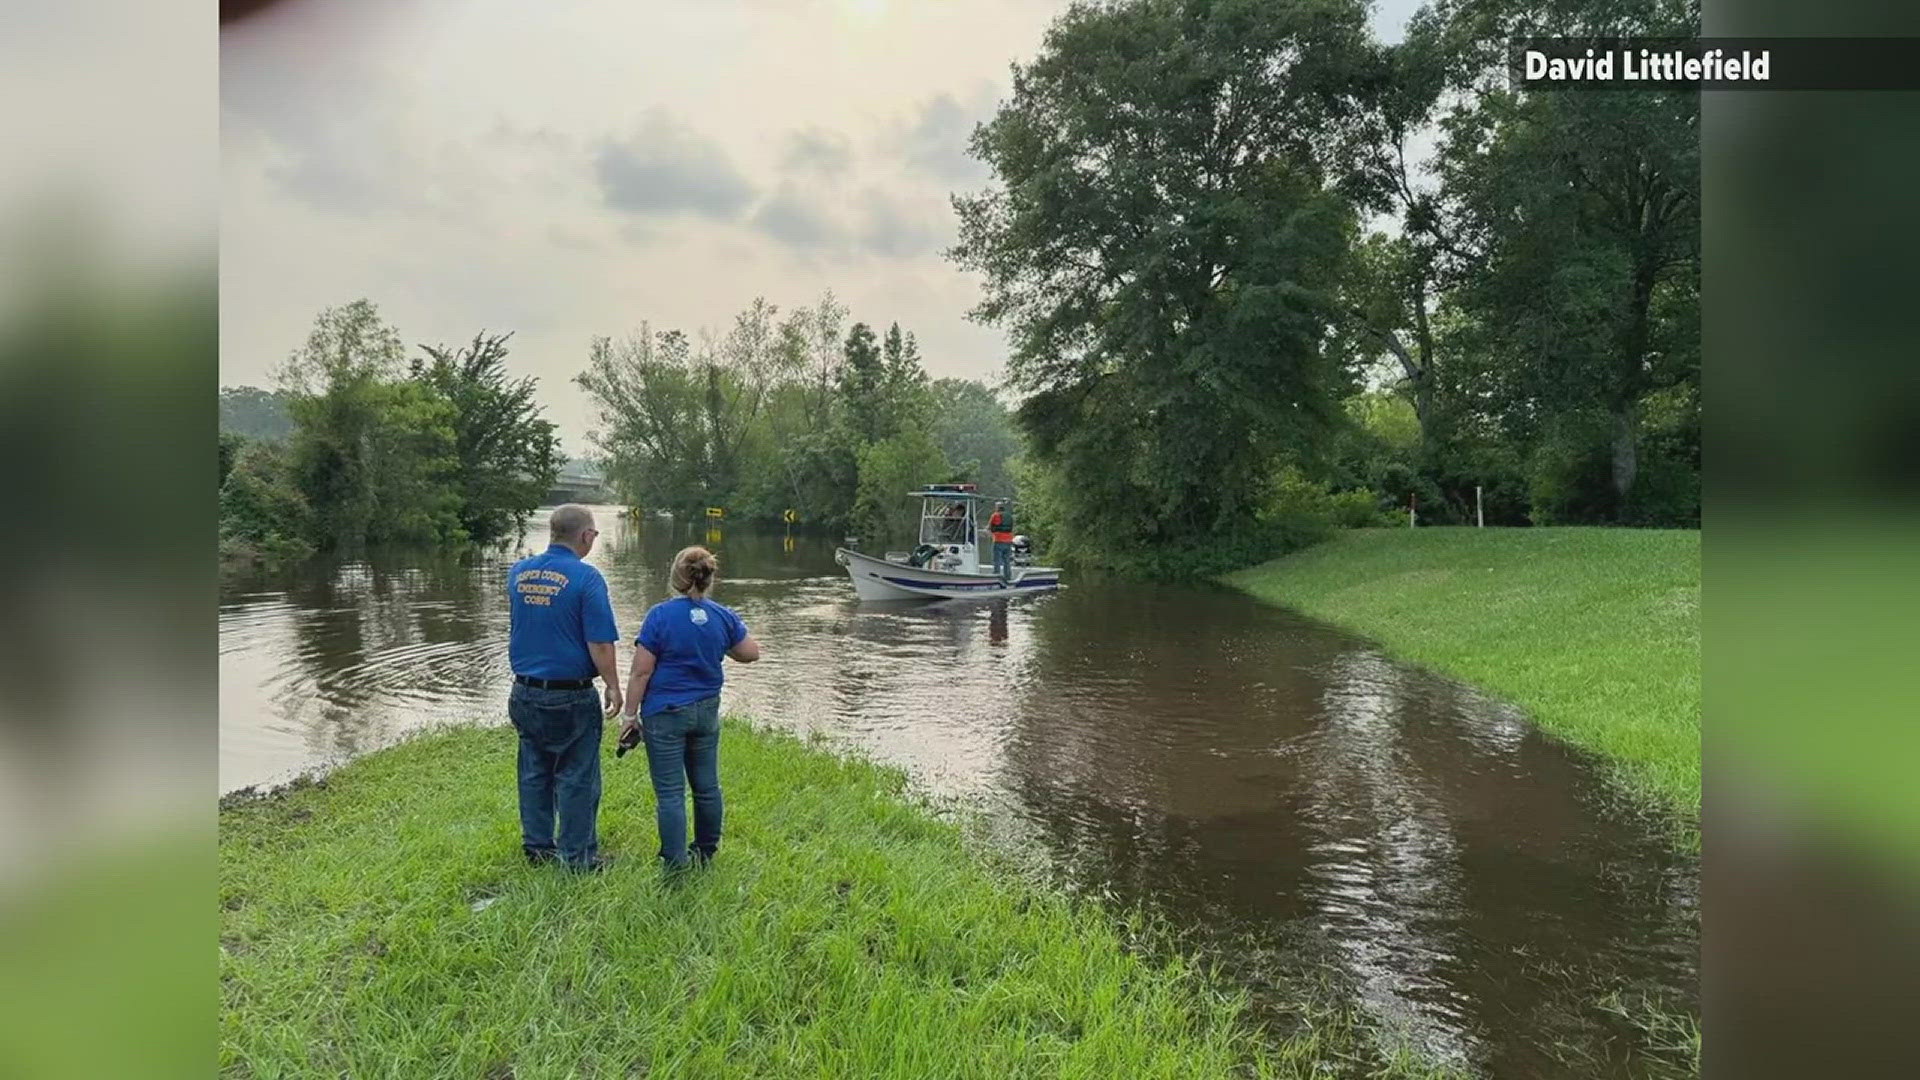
693 569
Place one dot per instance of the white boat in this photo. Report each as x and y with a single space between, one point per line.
949 559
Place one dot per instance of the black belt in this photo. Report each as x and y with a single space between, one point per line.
553 684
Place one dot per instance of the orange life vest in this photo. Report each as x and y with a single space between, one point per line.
1001 533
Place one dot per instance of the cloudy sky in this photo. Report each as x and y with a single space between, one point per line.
570 168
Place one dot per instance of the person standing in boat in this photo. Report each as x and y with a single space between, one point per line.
674 687
1000 525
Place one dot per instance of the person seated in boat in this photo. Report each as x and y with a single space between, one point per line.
953 527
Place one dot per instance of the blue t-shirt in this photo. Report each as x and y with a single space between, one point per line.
688 639
556 605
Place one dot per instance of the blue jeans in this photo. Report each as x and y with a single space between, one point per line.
683 751
559 770
1003 560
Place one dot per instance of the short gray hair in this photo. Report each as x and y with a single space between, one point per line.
568 522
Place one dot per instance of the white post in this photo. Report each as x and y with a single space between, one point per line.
1479 509
1412 501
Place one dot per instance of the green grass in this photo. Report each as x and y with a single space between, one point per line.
1594 632
845 931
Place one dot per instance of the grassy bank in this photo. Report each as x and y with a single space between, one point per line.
382 923
1595 632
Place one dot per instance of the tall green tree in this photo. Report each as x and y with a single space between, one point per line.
975 432
822 329
415 478
888 470
1567 226
906 383
681 425
372 452
333 382
817 469
261 511
863 387
507 453
652 417
764 419
1388 301
740 371
1165 246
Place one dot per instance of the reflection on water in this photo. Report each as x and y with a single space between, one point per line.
1257 776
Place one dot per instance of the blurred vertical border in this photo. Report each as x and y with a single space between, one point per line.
108 318
1811 822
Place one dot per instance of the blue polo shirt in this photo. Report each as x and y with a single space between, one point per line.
556 605
689 640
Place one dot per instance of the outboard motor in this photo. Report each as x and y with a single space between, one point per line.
1022 551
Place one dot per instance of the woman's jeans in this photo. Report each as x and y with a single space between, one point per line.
559 770
683 751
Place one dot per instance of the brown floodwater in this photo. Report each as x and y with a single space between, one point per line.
1299 805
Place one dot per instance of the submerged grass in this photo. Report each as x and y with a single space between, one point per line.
1595 632
382 923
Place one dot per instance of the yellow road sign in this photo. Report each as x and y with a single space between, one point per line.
790 517
716 512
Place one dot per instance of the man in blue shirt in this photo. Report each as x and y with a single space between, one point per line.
561 635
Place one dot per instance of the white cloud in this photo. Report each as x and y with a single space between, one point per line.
817 150
935 139
666 167
794 219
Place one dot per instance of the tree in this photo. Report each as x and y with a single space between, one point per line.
816 469
507 453
889 469
1164 245
825 343
744 422
261 511
678 426
230 447
975 432
863 386
331 382
1569 224
1387 301
372 453
255 413
740 372
906 381
651 417
415 481
347 347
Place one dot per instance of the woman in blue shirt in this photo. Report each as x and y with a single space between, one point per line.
675 686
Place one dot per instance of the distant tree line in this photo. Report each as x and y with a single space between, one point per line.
253 413
1240 314
805 411
442 448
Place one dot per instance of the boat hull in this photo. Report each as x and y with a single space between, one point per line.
878 579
